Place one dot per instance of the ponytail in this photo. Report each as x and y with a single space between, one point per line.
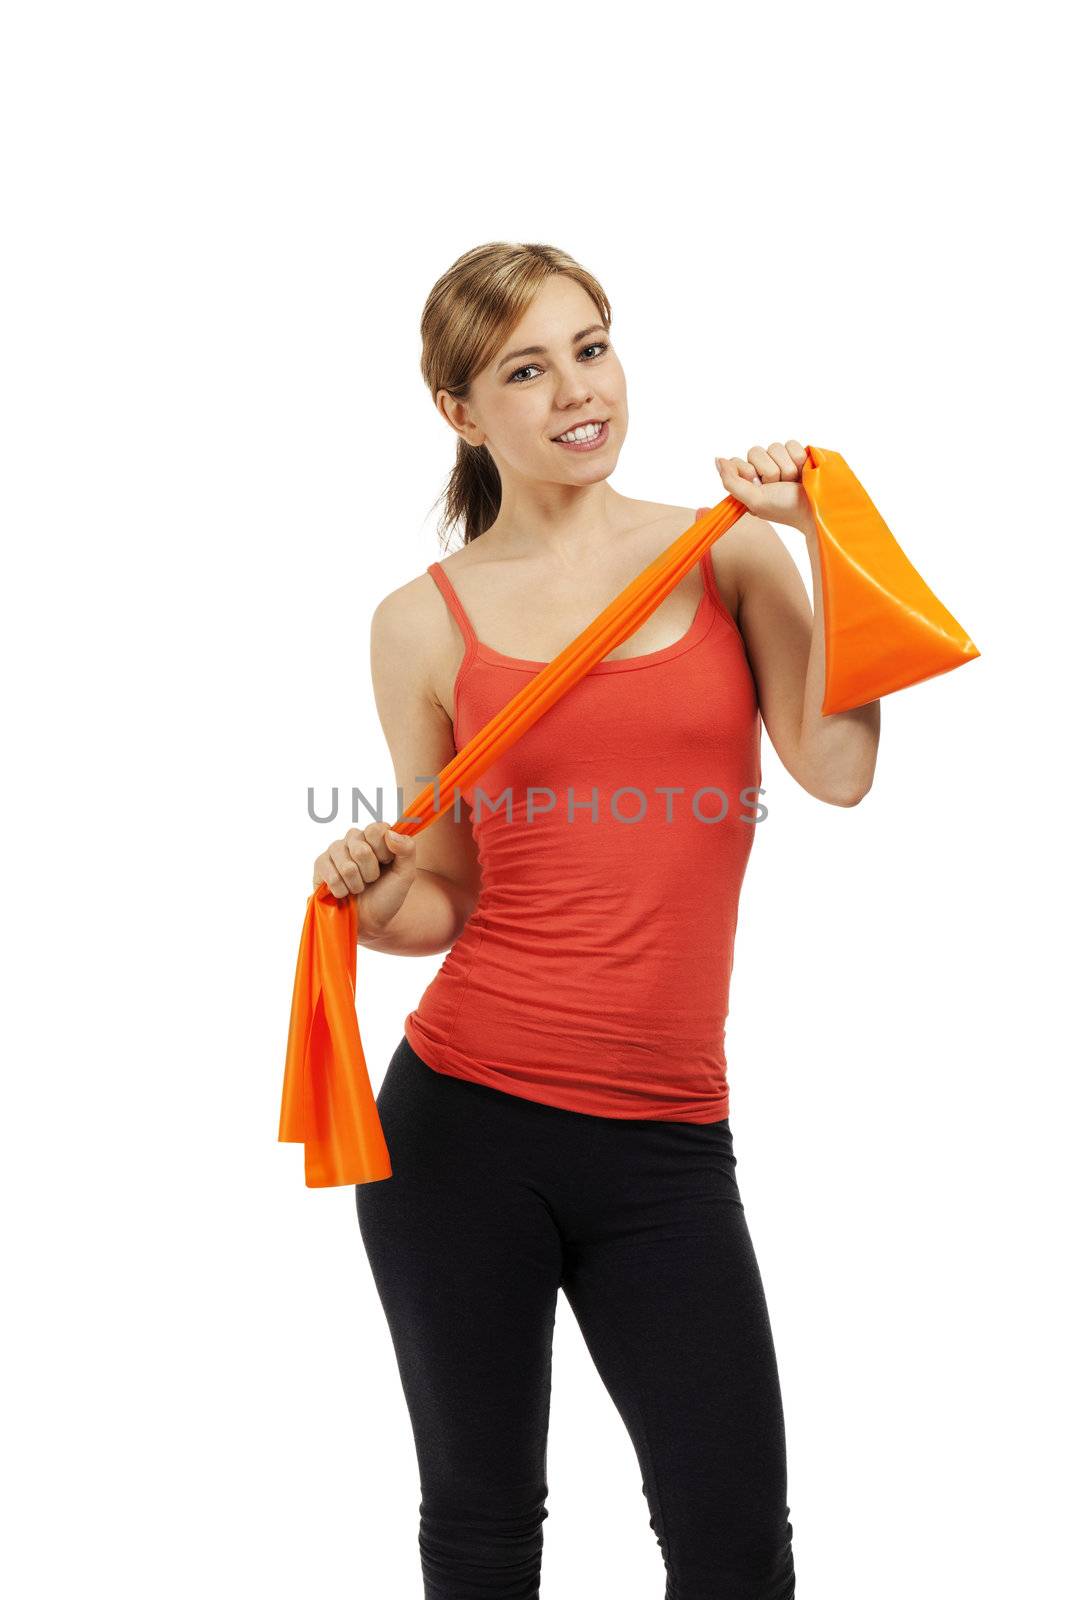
472 494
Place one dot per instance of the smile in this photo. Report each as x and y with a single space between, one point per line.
587 438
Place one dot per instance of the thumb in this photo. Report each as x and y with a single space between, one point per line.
402 843
741 488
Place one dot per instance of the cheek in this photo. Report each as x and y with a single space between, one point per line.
521 434
616 399
614 392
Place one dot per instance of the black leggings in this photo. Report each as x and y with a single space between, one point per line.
495 1203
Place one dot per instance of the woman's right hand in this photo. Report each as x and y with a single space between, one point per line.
374 863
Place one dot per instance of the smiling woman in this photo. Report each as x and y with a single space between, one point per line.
485 302
559 1095
555 1114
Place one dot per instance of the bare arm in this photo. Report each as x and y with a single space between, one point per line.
832 757
419 734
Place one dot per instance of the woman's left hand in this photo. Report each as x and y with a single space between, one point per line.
768 483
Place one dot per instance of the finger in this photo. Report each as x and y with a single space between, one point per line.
746 489
374 835
347 867
737 469
404 853
370 867
328 874
764 464
788 470
798 452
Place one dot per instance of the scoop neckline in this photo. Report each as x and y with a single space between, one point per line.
705 614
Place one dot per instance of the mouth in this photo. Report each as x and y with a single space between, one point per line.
591 435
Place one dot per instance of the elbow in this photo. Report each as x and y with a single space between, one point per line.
844 789
847 796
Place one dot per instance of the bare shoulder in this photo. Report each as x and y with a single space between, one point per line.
413 641
749 546
408 628
405 611
740 552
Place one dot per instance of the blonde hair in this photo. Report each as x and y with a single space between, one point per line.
468 314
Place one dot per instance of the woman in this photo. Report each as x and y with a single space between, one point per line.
556 1111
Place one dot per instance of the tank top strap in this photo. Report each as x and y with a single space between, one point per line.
710 585
452 600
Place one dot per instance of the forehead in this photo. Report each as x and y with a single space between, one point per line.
559 308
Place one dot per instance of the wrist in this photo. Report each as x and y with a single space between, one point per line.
809 527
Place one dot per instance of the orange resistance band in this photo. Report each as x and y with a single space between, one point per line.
884 630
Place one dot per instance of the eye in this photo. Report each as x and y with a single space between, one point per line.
530 367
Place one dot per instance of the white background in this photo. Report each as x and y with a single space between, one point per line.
221 223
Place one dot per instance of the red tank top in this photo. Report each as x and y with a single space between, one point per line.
594 971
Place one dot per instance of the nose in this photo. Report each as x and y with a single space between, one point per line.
576 393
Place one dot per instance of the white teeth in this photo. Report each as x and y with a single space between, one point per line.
579 435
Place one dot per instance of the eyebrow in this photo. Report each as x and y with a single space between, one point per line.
542 350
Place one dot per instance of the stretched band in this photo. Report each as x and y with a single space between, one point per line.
884 629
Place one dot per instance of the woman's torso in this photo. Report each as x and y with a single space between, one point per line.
495 600
594 971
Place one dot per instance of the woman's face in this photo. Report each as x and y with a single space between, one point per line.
525 398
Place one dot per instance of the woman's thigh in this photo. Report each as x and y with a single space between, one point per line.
467 1261
662 1277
